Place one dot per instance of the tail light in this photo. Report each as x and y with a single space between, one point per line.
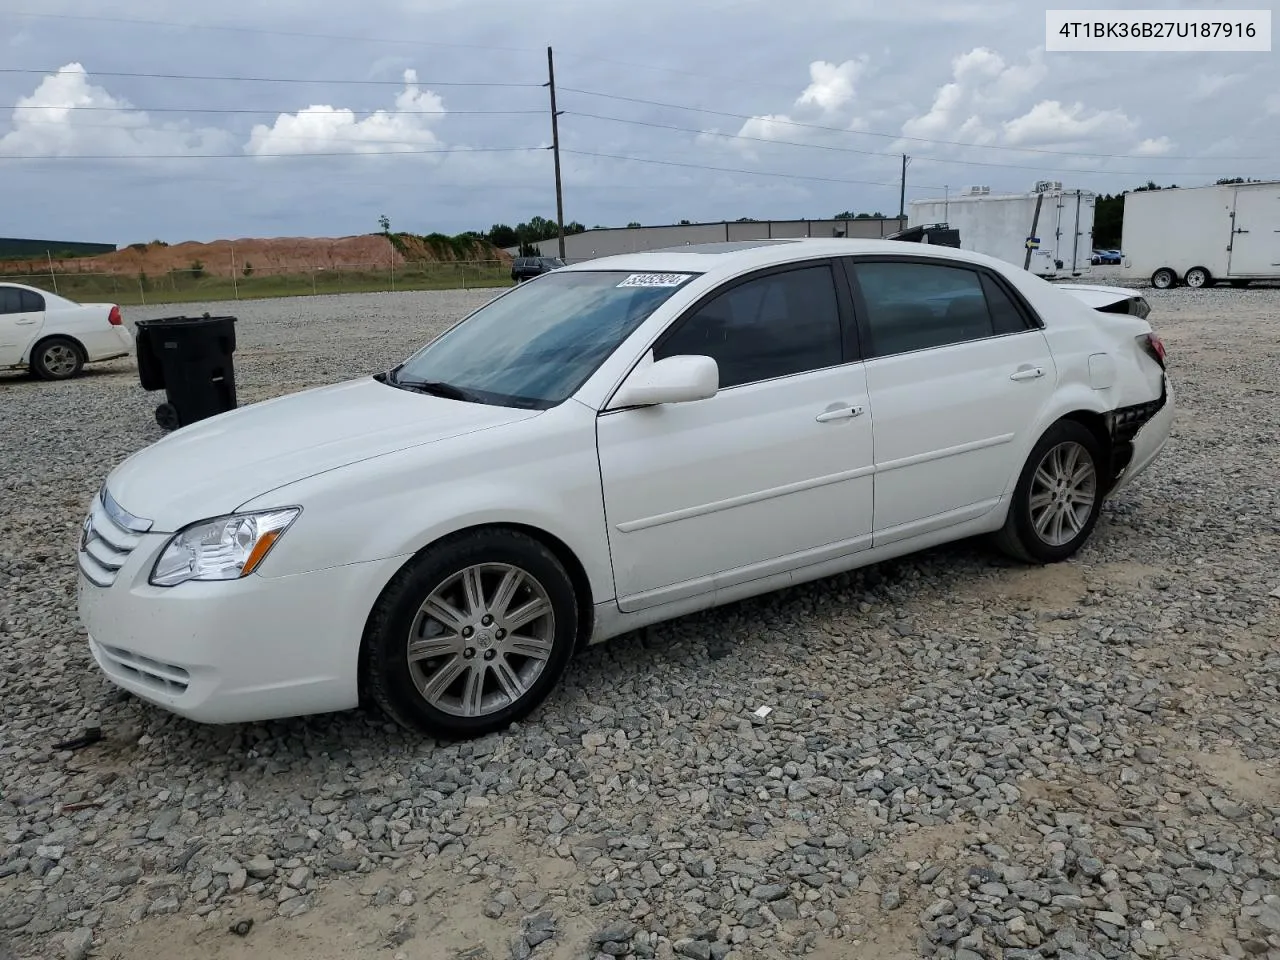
1154 347
114 317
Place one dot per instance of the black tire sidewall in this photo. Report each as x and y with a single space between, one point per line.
388 670
37 358
1020 510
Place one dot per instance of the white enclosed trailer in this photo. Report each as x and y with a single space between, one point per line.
1000 225
1200 235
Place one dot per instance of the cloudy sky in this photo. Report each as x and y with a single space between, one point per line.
286 118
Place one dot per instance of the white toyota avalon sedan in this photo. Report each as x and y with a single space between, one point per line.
610 445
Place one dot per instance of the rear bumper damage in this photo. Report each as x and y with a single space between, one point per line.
1138 433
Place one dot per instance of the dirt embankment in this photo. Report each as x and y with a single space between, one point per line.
280 255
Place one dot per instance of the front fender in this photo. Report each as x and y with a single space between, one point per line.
541 473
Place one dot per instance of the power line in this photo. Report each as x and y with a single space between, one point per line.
187 76
871 133
753 173
876 153
274 135
242 156
398 40
252 110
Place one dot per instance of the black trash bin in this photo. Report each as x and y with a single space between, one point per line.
190 359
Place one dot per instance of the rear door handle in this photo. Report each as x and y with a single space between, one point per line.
1030 373
842 413
23 323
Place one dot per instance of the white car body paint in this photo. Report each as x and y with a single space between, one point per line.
85 323
667 509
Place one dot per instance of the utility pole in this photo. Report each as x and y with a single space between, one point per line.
1035 222
902 193
555 148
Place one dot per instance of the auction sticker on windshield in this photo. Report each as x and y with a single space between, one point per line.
655 280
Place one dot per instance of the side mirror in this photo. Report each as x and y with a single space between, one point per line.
673 380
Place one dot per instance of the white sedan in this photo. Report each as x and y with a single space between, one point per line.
54 337
610 445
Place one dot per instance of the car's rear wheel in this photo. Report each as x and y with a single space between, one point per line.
1057 498
1198 277
1164 279
57 358
472 635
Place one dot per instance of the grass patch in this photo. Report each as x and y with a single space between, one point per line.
190 286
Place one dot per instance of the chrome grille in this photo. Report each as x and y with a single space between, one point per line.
109 534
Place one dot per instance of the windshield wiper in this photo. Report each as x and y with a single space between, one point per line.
437 388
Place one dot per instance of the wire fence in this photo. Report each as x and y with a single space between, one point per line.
193 284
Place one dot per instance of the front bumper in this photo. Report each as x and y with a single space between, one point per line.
233 651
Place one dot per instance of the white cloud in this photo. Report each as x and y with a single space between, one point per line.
1209 85
831 86
68 116
1051 122
982 82
326 129
1153 147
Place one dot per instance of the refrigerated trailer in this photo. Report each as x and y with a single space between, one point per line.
1200 235
1060 239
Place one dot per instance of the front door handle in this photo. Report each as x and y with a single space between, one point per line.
24 323
1031 373
841 413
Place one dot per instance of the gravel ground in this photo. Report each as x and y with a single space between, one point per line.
965 758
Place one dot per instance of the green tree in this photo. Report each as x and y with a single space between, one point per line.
501 235
1108 221
385 223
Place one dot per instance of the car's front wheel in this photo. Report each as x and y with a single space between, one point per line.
1058 496
472 635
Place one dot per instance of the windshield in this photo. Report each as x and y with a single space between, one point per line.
535 346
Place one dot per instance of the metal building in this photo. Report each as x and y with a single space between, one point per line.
608 241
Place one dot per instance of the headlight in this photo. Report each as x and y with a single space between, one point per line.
224 548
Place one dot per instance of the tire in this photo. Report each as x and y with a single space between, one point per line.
1021 536
437 695
1164 279
1197 277
57 358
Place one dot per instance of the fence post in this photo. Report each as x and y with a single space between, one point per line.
142 292
313 280
52 276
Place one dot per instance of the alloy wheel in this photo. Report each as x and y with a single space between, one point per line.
481 640
60 359
1063 491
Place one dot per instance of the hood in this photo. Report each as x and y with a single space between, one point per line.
213 466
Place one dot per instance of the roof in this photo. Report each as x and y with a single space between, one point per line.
729 258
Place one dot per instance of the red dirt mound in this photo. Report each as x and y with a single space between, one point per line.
282 255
